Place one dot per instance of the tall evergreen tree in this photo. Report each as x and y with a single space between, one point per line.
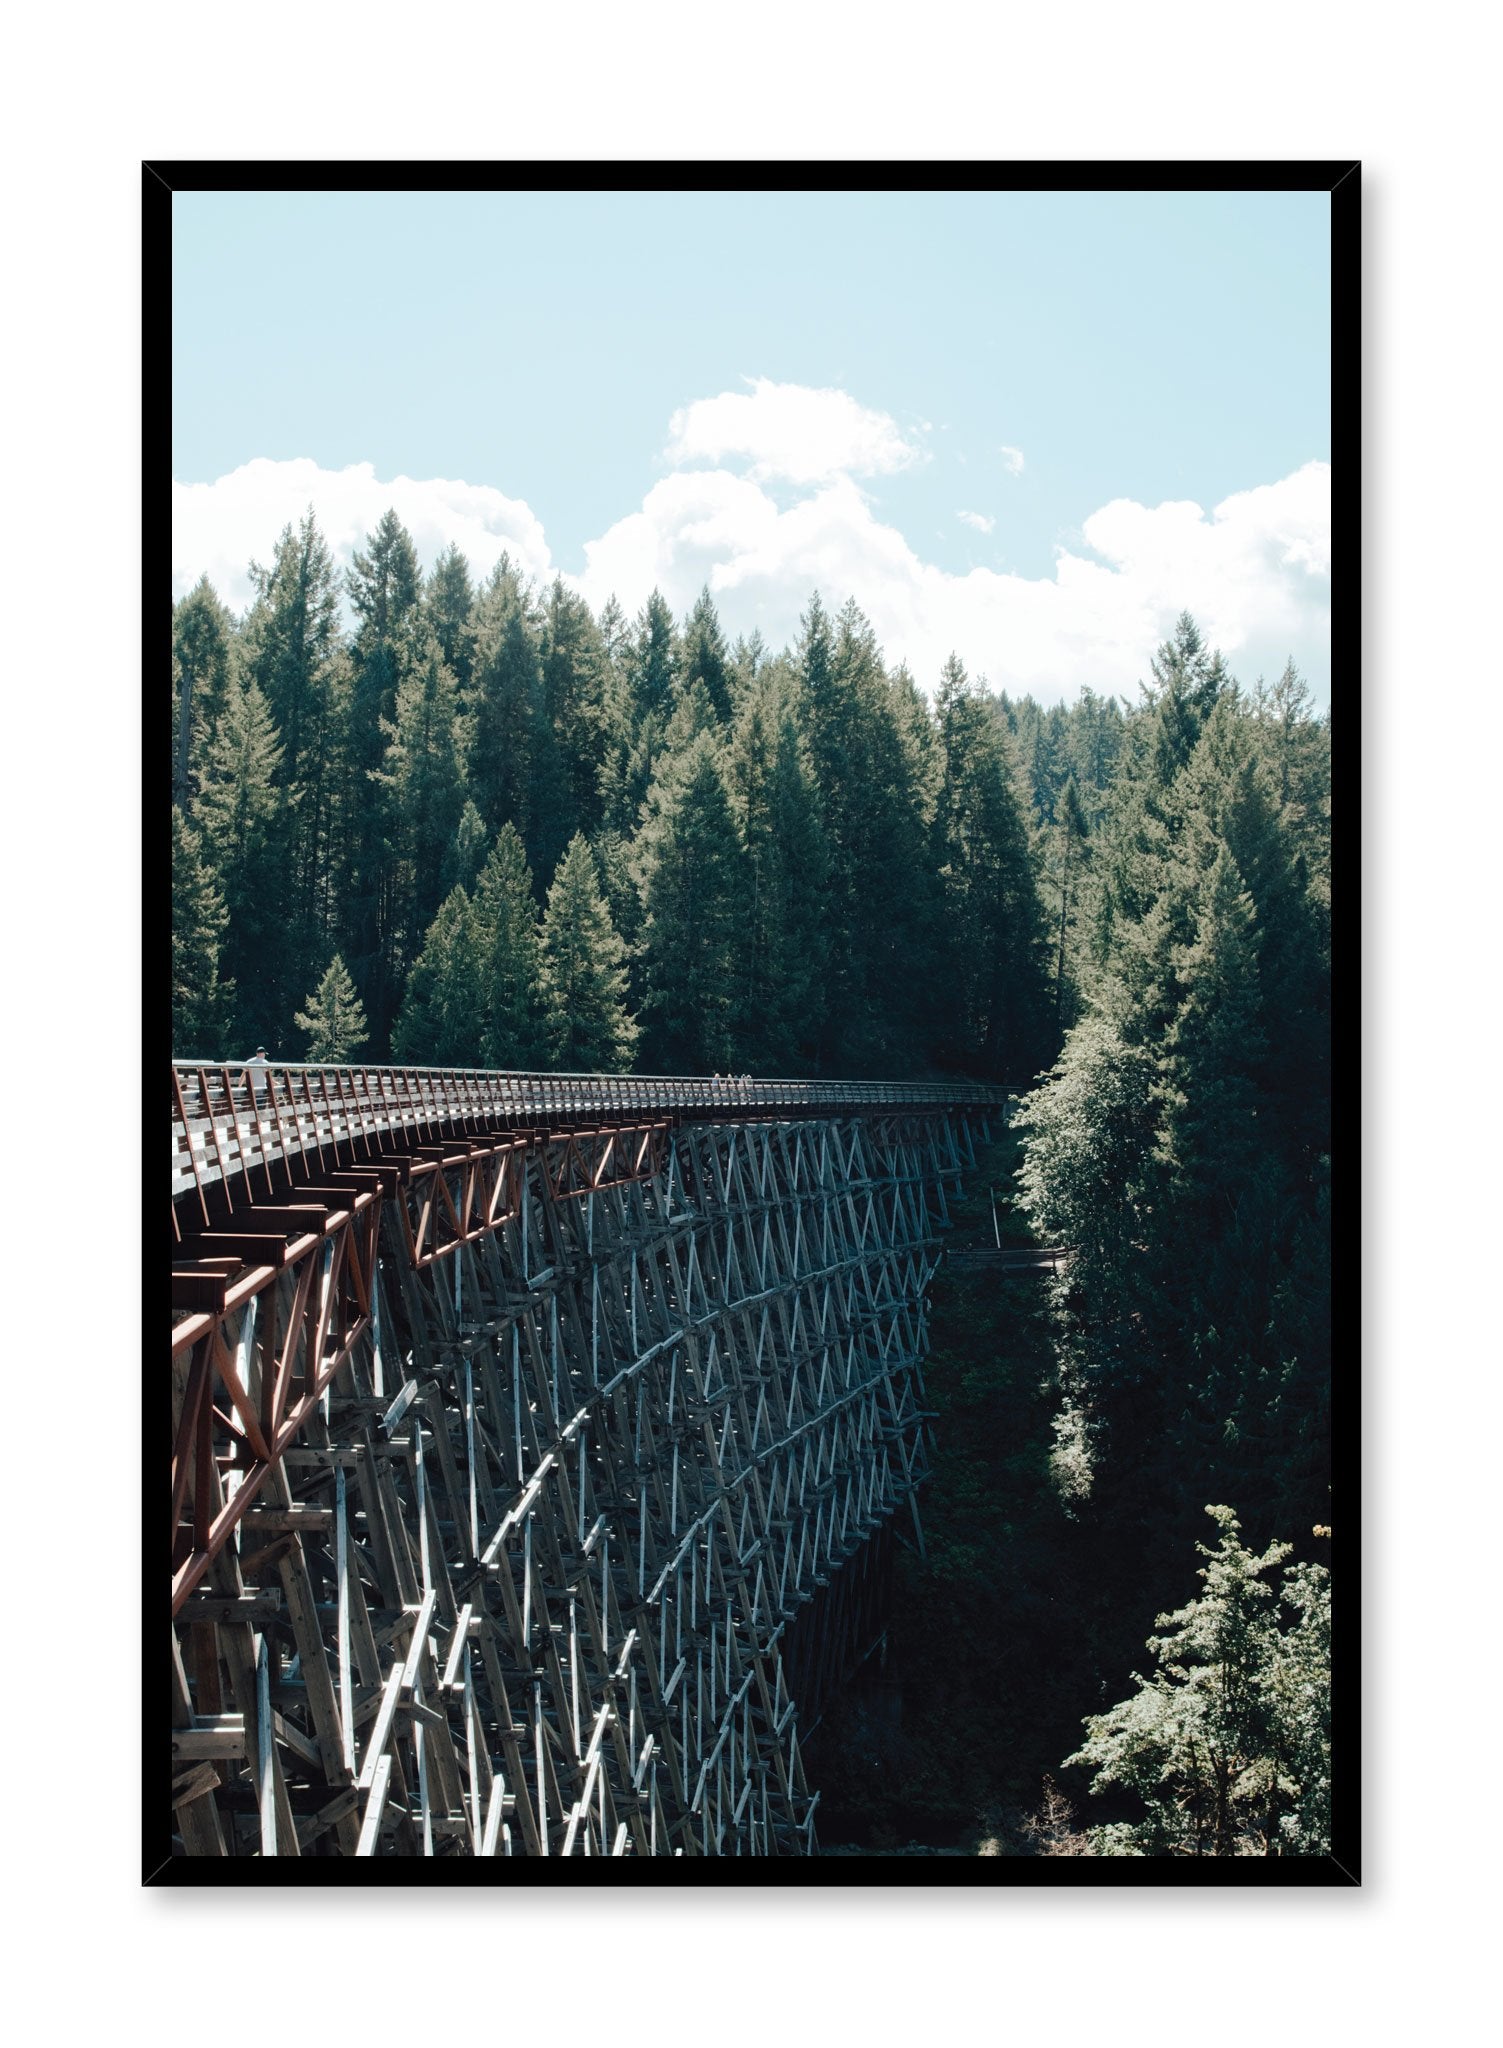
579 706
690 870
782 949
442 1019
583 975
290 636
507 744
292 654
200 1001
704 657
384 581
466 850
448 599
239 813
1199 1199
994 920
513 1033
1067 842
205 656
424 780
653 660
335 1019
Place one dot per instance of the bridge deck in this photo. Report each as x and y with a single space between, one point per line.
226 1120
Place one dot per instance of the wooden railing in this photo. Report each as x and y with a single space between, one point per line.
230 1120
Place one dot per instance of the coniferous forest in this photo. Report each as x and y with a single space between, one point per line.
422 818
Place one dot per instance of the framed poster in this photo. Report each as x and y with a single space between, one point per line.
751 1022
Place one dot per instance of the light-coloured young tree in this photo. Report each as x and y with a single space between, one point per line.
1228 1744
335 1018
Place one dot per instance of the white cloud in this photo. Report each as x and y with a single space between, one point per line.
790 431
1255 570
1255 573
219 528
979 520
1012 460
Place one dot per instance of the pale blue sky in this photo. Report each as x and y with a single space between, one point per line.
1143 346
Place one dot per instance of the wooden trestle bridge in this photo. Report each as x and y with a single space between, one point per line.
537 1442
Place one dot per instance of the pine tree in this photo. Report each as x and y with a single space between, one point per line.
442 1019
384 587
653 660
1209 1137
578 704
511 987
384 580
1067 842
466 852
423 777
704 657
505 705
239 814
335 1019
292 653
1227 1746
1181 694
583 976
448 599
690 870
205 656
994 920
782 944
200 1001
290 637
1199 1194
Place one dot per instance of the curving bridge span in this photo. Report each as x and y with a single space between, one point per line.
538 1446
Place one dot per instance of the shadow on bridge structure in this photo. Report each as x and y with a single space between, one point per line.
538 1447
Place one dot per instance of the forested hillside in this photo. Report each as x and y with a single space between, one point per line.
532 836
1180 1144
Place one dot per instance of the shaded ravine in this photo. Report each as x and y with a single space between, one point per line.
999 1635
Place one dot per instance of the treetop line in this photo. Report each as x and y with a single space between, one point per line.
639 843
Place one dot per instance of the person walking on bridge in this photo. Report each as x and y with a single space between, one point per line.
256 1070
